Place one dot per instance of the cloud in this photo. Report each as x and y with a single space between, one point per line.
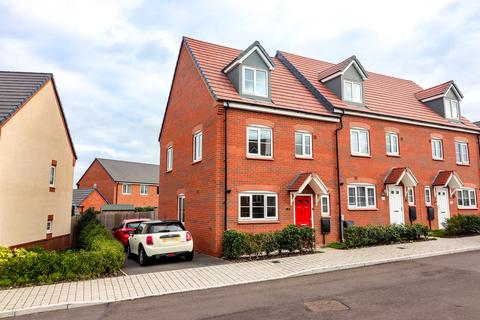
113 60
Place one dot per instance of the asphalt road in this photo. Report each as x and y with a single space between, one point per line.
446 287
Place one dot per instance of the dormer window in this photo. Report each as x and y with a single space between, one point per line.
255 81
352 91
451 109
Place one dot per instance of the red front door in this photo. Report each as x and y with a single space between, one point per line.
303 211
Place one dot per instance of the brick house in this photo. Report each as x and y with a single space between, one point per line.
84 199
259 142
123 182
37 160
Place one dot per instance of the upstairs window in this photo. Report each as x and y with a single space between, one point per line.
53 175
461 150
359 142
392 144
169 158
466 199
352 91
303 144
437 149
143 189
197 146
451 109
255 81
126 188
259 142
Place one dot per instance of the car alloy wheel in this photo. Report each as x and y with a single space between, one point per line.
142 257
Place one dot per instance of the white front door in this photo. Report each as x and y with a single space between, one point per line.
395 197
443 205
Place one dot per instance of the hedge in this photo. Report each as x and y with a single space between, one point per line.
292 239
378 235
461 224
100 255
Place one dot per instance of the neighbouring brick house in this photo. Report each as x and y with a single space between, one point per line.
37 159
84 199
123 182
254 143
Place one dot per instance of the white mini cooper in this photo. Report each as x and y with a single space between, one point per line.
155 239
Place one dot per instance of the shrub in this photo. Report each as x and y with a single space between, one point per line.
234 244
462 224
291 238
100 254
376 235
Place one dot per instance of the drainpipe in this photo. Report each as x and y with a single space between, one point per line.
338 177
225 104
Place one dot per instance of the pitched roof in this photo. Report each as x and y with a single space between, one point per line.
440 89
394 175
79 195
297 181
16 88
287 92
341 67
245 53
384 95
134 172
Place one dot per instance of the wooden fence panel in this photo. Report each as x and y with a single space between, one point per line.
110 219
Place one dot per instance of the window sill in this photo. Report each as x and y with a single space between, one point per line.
361 155
144 195
303 157
463 164
51 189
259 221
437 159
259 158
393 155
168 171
362 209
467 208
196 161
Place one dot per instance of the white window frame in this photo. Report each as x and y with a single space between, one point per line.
169 159
353 84
450 105
367 205
126 188
391 137
358 131
428 199
326 198
181 207
254 92
440 142
250 194
464 154
49 226
410 196
144 186
471 193
197 146
53 175
304 135
259 130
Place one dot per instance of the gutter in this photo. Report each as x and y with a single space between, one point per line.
225 163
340 220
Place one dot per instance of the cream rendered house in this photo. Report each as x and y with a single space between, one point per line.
37 160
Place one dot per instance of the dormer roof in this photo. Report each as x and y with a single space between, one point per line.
256 46
339 68
439 91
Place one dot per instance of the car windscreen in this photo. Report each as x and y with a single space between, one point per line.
133 225
166 227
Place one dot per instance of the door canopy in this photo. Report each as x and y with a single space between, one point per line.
448 179
302 180
401 175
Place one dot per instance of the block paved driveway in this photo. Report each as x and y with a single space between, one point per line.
132 267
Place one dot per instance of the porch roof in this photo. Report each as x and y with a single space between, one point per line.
302 180
405 175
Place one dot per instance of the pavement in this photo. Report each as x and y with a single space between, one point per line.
131 266
20 301
443 287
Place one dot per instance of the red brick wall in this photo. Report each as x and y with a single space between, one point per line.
192 107
415 153
94 200
96 174
246 174
135 198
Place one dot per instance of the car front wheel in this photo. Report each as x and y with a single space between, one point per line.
142 257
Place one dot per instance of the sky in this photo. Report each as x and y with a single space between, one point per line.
113 60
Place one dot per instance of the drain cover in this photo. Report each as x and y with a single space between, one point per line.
275 261
403 248
325 305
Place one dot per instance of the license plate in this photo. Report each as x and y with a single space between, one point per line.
173 239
